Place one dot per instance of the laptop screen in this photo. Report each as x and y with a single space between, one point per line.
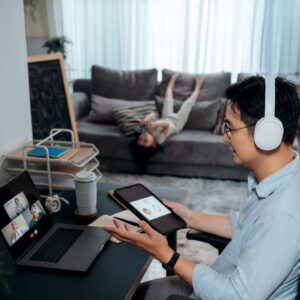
23 219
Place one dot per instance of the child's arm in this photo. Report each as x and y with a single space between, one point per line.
148 118
164 125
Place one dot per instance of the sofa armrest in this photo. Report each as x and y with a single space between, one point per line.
81 104
83 85
216 241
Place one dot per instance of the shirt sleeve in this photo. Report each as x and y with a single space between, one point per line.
233 219
272 244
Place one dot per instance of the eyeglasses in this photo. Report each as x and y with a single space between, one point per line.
226 129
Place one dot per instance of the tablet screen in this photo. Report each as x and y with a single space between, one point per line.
150 207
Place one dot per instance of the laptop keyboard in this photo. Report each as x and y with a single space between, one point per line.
57 245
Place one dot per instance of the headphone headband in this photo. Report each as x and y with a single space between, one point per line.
270 95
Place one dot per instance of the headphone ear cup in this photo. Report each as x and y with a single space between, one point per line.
268 133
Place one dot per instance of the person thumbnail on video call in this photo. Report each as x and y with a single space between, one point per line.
22 215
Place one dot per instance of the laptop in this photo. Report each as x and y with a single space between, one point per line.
33 240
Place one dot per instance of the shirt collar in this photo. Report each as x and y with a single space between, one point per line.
268 185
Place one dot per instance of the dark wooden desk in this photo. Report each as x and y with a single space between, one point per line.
115 274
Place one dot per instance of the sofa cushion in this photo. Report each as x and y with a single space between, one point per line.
204 114
195 147
129 85
102 109
213 87
128 117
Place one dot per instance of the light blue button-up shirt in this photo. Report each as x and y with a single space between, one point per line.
262 261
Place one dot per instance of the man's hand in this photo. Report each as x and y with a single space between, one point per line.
150 241
182 211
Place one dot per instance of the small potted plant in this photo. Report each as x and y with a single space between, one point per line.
57 44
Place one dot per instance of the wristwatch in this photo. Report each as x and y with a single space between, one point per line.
169 267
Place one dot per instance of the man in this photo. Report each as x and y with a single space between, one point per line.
17 232
36 215
262 259
19 207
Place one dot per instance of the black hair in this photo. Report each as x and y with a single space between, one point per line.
248 96
141 155
32 206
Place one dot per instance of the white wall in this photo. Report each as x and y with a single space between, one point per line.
15 120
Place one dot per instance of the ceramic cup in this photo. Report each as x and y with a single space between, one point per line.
86 193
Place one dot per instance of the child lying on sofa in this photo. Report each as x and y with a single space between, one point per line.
157 131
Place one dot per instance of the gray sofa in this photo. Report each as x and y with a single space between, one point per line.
194 152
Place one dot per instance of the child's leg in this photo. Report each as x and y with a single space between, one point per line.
196 92
170 87
188 104
168 102
183 113
167 108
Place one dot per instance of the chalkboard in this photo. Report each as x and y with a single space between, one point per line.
51 105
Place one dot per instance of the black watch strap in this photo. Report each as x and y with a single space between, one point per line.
172 262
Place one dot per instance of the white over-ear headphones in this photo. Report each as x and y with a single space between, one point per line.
268 131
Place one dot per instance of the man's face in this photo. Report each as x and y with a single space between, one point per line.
17 201
240 142
146 140
14 226
34 212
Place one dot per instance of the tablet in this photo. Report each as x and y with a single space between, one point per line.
54 152
148 207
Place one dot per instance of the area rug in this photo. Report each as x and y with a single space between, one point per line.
206 195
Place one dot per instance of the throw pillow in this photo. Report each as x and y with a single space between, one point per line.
129 85
213 87
127 117
204 114
102 109
221 115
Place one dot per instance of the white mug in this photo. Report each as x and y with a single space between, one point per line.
86 193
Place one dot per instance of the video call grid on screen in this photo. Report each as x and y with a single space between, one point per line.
22 218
